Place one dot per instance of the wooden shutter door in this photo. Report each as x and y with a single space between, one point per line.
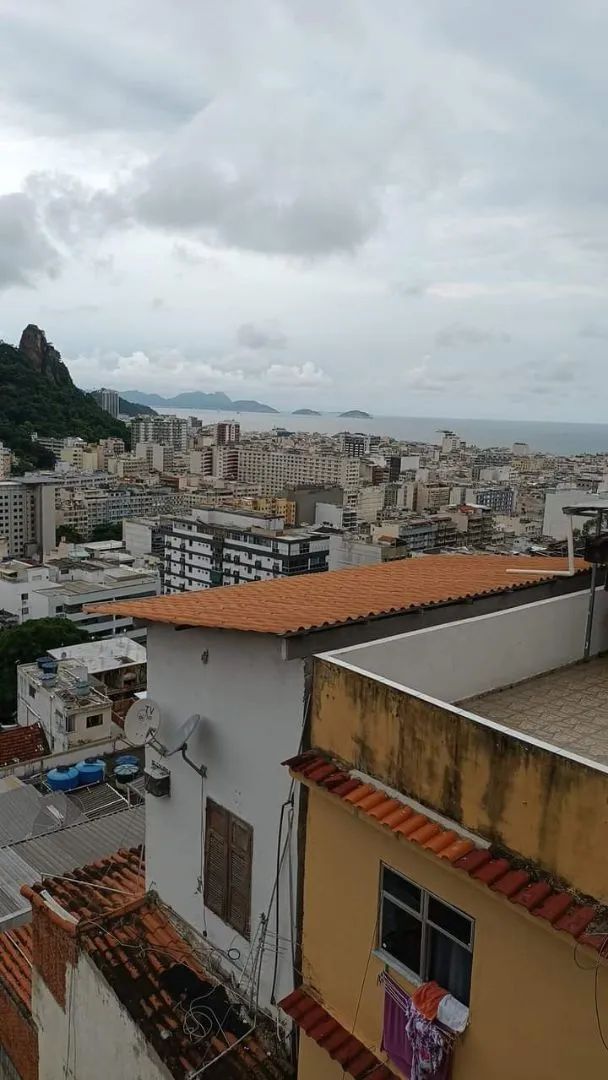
217 842
239 874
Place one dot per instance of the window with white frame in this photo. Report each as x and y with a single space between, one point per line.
420 933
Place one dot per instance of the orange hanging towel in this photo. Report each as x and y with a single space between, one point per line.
427 998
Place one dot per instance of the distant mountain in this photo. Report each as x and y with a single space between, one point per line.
196 399
357 414
37 395
305 412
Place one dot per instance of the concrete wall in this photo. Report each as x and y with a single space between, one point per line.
253 700
555 523
460 659
102 1041
534 801
532 1008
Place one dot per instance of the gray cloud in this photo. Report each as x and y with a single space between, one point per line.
461 336
251 336
25 250
390 175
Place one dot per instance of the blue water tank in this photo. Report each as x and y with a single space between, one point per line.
127 759
125 773
63 778
90 771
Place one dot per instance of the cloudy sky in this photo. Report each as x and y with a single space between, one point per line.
398 205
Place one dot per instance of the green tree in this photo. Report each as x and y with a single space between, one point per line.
107 532
24 644
68 533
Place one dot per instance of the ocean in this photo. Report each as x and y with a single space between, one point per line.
549 437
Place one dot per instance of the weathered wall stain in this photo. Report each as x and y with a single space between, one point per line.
545 807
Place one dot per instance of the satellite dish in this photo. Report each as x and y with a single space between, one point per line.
177 739
142 722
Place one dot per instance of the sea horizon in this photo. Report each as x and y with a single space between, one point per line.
546 436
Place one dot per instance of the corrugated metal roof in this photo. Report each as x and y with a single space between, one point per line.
97 799
84 843
62 851
24 812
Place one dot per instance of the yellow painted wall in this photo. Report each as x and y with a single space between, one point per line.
532 1008
547 808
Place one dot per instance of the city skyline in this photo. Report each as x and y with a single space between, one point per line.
331 208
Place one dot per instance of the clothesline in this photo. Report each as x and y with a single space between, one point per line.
403 999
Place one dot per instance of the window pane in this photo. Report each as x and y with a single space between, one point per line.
449 965
401 889
401 935
456 924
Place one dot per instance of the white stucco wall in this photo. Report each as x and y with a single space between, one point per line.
253 700
458 660
95 1036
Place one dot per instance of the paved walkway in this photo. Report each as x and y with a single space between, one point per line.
568 708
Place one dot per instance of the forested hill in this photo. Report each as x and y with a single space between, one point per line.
37 395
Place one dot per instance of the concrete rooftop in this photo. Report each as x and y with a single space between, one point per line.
567 708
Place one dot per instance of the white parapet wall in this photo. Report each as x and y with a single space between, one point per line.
458 660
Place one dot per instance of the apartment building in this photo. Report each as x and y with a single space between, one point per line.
6 461
222 547
240 658
165 430
502 499
274 470
109 400
89 583
17 580
475 524
226 432
430 497
70 707
85 509
27 516
356 444
451 915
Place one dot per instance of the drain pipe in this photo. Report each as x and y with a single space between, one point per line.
590 609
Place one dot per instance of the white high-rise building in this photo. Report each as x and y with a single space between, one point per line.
110 401
164 430
27 517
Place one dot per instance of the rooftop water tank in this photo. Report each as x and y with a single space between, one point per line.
126 773
63 778
127 759
82 689
90 771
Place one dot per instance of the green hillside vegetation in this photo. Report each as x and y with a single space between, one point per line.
37 395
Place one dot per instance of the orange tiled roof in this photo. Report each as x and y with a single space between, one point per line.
559 907
340 1044
304 603
22 744
122 872
16 964
150 966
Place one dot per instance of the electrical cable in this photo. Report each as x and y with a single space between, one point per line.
361 988
595 968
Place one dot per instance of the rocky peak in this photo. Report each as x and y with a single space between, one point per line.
42 356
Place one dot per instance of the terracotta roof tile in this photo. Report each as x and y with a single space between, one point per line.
558 906
305 603
16 964
151 968
22 744
341 1045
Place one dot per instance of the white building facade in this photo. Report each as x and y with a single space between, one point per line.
219 547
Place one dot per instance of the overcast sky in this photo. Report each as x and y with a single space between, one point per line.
398 205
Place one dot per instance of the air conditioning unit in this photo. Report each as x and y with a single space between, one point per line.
157 781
